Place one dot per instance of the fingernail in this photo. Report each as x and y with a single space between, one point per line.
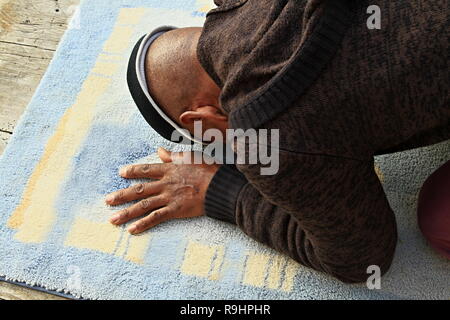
109 198
115 218
132 229
122 171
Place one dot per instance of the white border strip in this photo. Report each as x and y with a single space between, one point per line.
140 72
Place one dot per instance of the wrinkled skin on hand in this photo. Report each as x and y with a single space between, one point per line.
176 191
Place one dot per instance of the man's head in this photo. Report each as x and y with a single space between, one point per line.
179 84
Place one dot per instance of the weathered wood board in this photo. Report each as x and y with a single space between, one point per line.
12 292
29 34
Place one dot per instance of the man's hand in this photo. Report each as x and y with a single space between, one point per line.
178 192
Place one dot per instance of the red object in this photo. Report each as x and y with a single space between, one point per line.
434 210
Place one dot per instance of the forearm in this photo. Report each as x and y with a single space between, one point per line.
341 237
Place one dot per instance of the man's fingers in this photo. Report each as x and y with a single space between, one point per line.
175 157
186 157
165 155
153 219
138 209
136 192
138 171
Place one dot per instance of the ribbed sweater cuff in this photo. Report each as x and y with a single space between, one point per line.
222 193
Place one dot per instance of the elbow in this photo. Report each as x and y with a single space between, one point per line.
364 264
362 271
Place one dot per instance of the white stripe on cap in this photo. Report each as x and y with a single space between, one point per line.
140 72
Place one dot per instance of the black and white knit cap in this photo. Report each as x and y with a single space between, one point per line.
137 84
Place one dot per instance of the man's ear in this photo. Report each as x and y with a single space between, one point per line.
207 114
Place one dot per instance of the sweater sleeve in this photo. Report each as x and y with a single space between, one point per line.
327 213
325 207
222 193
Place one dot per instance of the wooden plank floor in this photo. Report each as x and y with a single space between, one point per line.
30 31
12 292
29 34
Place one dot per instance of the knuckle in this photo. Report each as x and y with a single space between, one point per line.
171 180
145 204
158 185
119 195
139 188
165 182
158 215
145 168
165 197
177 205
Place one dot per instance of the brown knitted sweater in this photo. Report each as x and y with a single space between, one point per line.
339 93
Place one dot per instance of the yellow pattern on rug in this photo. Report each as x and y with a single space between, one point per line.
35 215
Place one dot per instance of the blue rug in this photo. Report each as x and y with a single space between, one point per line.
82 125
